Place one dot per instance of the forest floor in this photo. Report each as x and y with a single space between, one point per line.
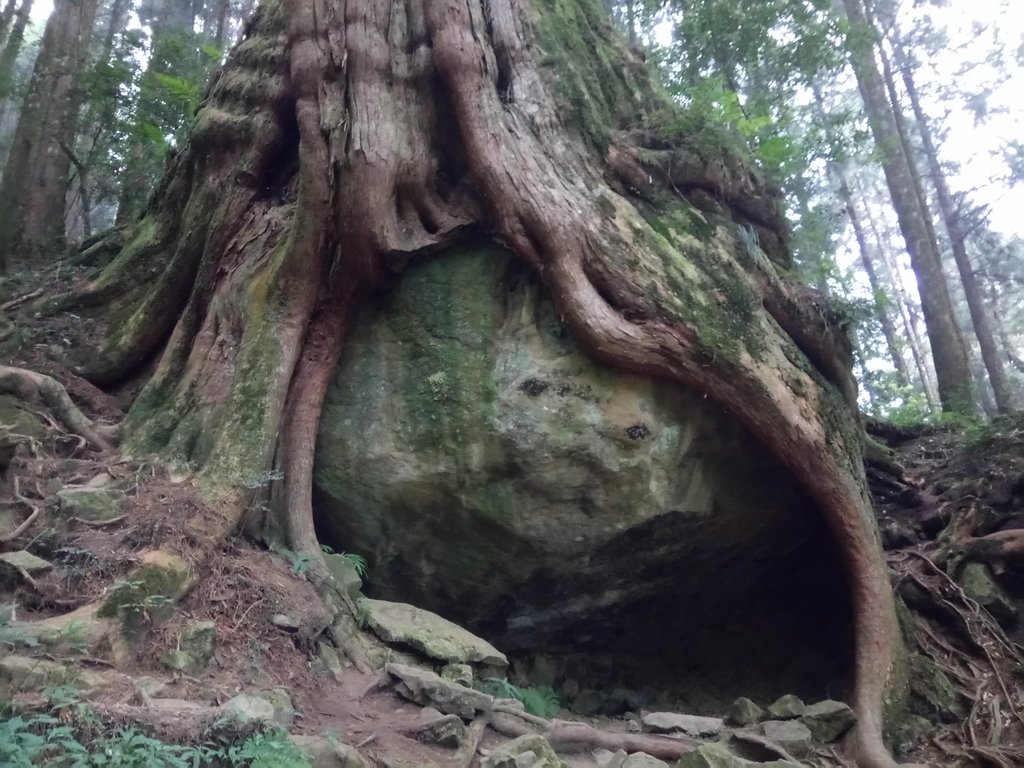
950 504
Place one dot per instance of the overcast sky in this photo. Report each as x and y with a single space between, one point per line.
973 144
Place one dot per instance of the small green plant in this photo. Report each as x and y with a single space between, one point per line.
541 701
358 563
46 740
12 636
271 749
298 561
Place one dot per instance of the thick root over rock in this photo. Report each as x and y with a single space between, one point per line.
387 133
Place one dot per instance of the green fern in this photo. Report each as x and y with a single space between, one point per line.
541 701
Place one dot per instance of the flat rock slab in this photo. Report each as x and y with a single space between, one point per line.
689 725
719 756
429 634
828 720
26 561
792 735
428 689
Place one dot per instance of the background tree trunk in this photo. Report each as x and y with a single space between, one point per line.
957 239
949 352
343 140
35 179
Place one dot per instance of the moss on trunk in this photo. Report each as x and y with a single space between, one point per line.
342 141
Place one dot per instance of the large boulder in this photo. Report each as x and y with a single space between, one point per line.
493 473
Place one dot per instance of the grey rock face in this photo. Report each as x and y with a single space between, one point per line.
491 472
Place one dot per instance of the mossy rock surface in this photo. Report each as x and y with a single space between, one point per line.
530 751
429 634
490 471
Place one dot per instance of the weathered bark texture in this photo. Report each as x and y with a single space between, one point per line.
952 366
35 179
345 139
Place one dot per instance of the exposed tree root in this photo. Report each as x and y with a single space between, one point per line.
385 132
37 389
509 719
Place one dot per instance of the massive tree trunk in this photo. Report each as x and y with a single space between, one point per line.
35 179
952 366
345 139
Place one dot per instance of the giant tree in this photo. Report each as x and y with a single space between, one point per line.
345 139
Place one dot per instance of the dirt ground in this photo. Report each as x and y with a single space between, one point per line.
938 491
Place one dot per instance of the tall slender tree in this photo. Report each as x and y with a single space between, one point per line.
952 220
35 178
952 365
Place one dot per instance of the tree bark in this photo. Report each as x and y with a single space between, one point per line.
908 314
6 18
343 140
35 179
958 240
949 352
11 48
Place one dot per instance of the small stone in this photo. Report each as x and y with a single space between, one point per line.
247 708
285 622
792 735
26 561
606 759
979 585
178 661
458 673
93 504
326 752
643 760
444 730
786 707
828 720
690 725
197 638
281 701
531 751
743 711
329 657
